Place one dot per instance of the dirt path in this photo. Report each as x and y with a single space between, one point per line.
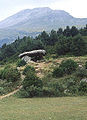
12 93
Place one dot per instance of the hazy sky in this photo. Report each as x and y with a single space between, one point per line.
77 8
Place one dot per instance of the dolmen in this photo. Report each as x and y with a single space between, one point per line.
32 55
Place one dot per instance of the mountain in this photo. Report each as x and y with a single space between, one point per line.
33 21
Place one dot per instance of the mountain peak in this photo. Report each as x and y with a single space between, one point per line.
42 8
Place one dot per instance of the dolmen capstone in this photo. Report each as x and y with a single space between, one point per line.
32 55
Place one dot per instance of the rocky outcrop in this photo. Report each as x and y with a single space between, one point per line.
32 55
27 59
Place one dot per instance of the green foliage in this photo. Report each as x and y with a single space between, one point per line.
32 85
62 47
32 91
83 87
47 92
1 72
28 69
19 46
78 46
74 31
67 32
21 63
71 45
52 86
68 66
31 79
53 37
83 31
58 72
72 85
2 91
44 37
81 73
86 64
10 74
69 41
58 88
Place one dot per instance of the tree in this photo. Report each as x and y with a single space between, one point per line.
32 85
7 51
10 74
68 66
78 46
74 31
67 32
44 37
60 32
63 45
32 79
53 37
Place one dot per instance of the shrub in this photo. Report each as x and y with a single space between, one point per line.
21 63
10 74
83 87
48 92
32 79
32 91
1 72
72 85
28 69
81 73
78 46
58 88
86 64
32 85
58 72
68 66
2 91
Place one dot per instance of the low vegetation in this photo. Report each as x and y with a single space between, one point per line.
61 108
65 72
21 63
28 69
9 79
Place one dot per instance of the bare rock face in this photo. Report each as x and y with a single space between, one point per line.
27 59
32 55
84 80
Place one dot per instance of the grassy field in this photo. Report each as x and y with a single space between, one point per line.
62 108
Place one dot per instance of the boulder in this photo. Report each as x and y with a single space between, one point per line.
32 55
27 59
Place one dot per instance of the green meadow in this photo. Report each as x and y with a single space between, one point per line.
61 108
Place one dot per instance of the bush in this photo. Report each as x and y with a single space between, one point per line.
58 88
48 92
32 85
32 79
72 85
1 72
86 64
2 91
68 66
81 73
58 72
10 74
78 46
32 91
28 69
21 63
83 87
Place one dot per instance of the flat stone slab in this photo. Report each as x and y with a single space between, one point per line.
33 53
